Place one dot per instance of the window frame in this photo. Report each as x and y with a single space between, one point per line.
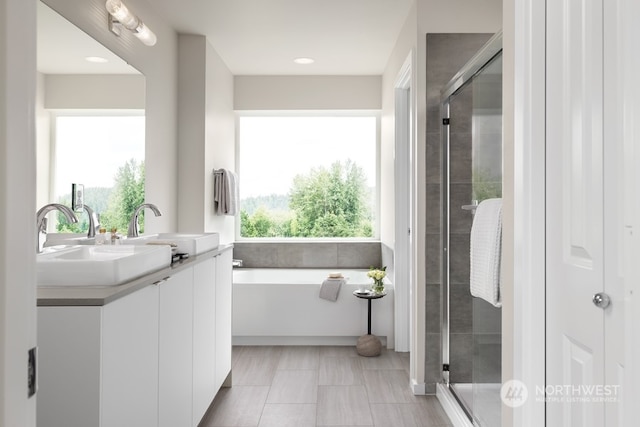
376 114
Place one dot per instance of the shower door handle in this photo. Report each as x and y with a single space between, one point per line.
472 207
601 300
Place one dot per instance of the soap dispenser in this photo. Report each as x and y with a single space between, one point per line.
115 237
101 237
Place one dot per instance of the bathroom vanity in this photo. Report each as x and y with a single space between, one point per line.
148 353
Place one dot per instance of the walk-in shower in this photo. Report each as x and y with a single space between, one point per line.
471 172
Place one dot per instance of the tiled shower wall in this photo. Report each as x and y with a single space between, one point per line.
446 54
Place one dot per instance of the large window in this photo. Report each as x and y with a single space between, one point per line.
308 176
105 153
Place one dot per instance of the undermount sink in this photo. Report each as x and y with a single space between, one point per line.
99 265
190 243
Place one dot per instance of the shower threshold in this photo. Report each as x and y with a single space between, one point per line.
480 404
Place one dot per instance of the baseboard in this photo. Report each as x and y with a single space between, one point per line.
293 340
451 407
419 389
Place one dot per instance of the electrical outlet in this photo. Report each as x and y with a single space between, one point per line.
32 379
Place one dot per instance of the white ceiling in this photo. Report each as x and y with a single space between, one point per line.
253 37
62 48
262 37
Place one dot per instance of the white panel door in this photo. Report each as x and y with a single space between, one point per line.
575 211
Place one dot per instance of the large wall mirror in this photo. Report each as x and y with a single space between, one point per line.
90 125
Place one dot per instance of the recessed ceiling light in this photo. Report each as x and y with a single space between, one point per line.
304 61
97 59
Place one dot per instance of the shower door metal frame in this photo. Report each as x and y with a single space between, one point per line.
484 56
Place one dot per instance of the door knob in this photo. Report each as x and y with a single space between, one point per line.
601 300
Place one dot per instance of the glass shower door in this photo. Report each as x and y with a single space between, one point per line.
487 184
473 173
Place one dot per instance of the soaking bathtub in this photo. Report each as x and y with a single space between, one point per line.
278 306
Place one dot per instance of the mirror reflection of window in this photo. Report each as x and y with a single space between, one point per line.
106 154
90 121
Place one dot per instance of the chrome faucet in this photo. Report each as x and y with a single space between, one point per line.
94 221
133 224
41 221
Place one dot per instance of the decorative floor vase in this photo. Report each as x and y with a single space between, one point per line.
369 346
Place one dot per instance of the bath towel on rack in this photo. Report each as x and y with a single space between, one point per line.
486 249
330 289
225 192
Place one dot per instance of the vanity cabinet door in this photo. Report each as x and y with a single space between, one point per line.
204 337
224 279
129 374
99 365
69 341
175 353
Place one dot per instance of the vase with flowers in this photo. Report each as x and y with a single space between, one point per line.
378 275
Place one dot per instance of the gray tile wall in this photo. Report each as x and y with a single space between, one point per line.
446 54
308 254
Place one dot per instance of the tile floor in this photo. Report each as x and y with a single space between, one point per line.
321 386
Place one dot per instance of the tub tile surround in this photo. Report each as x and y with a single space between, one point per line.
308 254
446 54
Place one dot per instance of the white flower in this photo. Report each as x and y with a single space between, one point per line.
377 274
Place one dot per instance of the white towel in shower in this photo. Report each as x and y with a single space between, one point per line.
225 192
330 289
486 249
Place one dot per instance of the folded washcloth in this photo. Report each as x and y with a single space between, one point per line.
486 249
330 289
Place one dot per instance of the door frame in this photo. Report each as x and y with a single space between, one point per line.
404 207
630 11
523 311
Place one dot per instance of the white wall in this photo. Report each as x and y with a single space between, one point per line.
191 130
220 151
405 47
159 66
43 146
124 91
17 208
307 93
206 135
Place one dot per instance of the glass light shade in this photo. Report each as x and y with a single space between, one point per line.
120 13
145 35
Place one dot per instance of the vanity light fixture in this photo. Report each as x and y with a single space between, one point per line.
120 16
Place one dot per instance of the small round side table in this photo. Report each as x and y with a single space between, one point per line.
369 345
